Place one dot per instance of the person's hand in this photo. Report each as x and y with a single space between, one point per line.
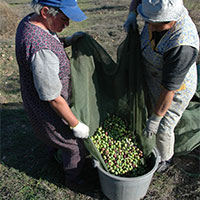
73 38
131 21
81 130
152 125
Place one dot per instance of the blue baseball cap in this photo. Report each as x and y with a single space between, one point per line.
68 7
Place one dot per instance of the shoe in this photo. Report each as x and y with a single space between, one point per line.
164 165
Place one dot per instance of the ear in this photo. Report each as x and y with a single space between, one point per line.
44 12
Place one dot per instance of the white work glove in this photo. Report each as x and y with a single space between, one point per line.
73 38
131 21
152 125
81 130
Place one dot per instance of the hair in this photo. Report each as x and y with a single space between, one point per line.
38 7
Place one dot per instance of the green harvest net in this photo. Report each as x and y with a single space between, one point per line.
101 86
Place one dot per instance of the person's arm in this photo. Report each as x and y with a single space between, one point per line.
45 69
131 20
61 107
62 40
63 110
164 101
162 105
133 5
177 63
68 41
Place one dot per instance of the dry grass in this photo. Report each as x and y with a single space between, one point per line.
9 20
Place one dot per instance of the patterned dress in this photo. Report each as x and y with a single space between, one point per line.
182 33
47 125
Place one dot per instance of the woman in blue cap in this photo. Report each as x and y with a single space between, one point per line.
169 46
46 84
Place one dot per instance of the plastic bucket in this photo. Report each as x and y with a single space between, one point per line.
123 188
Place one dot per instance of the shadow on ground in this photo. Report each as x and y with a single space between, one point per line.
21 150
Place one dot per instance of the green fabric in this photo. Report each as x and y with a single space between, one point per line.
101 86
187 131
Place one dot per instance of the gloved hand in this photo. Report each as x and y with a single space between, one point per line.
81 130
131 21
152 125
73 38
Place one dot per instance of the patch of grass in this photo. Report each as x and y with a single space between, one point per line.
192 5
10 89
8 22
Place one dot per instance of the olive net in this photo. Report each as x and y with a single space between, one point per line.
101 86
